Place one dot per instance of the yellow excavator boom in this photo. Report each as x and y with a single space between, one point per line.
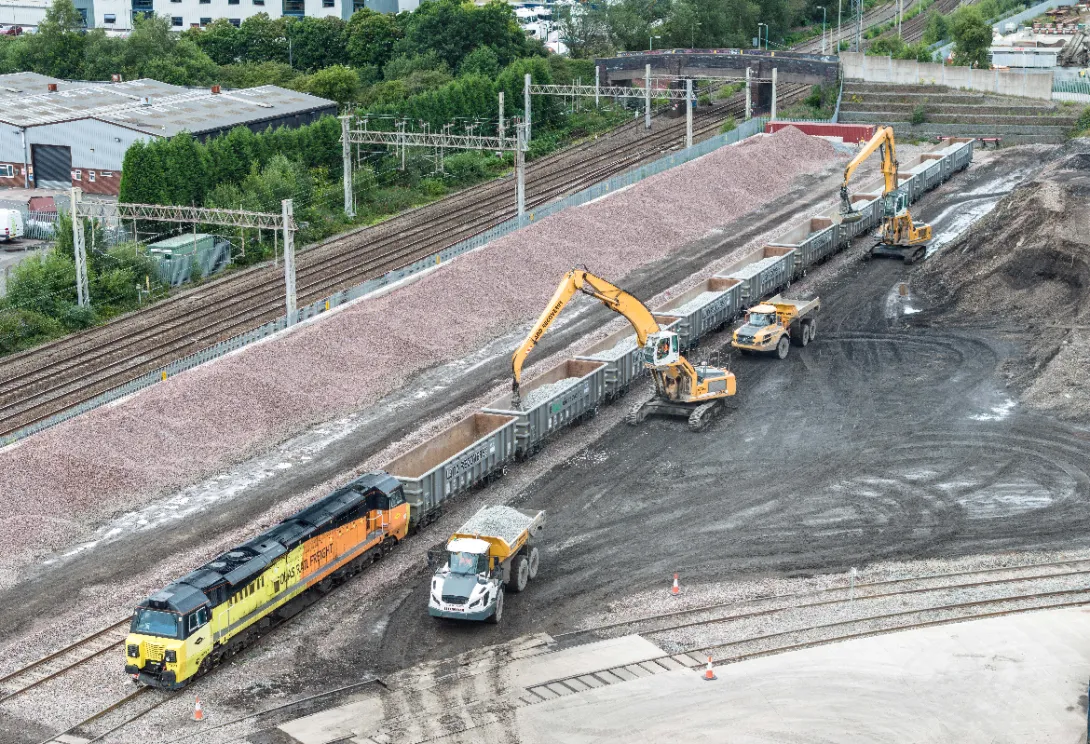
882 140
581 280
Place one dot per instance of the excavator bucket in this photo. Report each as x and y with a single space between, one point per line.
847 214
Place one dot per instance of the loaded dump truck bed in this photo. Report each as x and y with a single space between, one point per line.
505 528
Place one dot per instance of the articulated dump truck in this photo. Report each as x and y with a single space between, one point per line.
494 552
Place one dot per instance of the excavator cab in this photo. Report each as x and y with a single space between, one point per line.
894 203
661 349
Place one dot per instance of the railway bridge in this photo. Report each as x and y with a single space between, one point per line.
730 64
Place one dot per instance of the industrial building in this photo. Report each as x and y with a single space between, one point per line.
115 17
55 134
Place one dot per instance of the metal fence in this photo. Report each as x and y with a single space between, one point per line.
40 225
744 130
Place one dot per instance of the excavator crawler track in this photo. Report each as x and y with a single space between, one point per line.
704 415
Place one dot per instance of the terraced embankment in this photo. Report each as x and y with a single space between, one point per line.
949 112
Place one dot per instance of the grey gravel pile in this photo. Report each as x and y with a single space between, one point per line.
625 345
546 393
497 521
750 271
696 303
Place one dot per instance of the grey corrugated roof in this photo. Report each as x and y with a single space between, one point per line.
145 105
204 111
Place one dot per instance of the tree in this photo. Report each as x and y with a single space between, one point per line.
370 38
452 29
186 65
263 39
103 55
481 61
338 83
972 37
937 28
185 171
583 28
141 178
219 40
317 42
57 48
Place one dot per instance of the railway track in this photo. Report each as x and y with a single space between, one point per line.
116 716
63 660
729 632
874 17
39 383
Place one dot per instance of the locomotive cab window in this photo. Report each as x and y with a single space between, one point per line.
156 623
198 619
397 498
377 501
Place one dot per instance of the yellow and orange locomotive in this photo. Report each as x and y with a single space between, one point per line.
185 629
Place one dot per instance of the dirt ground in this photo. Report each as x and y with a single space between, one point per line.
884 440
887 438
1024 272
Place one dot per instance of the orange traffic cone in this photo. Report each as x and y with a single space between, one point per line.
198 711
676 588
709 675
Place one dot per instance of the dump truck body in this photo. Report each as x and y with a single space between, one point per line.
771 326
494 552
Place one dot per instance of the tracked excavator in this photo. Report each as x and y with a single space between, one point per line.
901 237
681 389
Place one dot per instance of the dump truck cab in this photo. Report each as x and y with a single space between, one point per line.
496 551
772 326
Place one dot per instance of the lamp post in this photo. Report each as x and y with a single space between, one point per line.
759 35
823 29
650 44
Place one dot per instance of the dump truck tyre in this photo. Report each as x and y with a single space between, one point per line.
813 329
497 616
804 337
520 573
535 562
783 346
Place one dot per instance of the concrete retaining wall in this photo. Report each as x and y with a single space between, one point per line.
888 70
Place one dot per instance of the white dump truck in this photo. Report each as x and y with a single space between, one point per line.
496 551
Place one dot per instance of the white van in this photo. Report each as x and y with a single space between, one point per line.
11 224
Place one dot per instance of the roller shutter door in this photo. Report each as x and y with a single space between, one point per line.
52 166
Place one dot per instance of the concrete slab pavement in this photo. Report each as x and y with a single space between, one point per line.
1013 679
1020 678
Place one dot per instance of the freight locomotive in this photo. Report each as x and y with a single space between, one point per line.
185 629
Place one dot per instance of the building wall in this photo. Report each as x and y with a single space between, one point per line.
98 148
192 11
25 13
1005 82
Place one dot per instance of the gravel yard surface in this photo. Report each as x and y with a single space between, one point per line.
55 484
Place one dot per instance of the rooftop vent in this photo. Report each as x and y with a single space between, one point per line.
215 90
116 78
52 87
